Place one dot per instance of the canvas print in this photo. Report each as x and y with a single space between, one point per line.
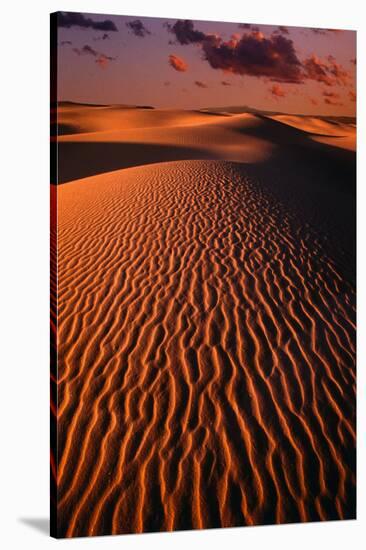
203 214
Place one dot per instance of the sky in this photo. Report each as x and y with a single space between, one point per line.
185 64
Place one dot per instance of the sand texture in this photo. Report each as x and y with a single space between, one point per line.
205 326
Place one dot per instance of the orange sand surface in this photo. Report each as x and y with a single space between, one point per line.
206 320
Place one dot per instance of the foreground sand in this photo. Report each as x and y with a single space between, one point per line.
206 340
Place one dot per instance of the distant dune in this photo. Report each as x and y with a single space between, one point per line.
328 131
206 320
99 139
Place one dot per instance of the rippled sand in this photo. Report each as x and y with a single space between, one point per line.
206 330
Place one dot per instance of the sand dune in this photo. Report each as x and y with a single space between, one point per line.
206 334
335 133
206 319
111 138
168 135
85 119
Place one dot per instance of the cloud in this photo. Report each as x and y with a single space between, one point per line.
166 83
103 60
225 83
200 84
248 26
277 91
138 28
104 37
333 95
352 95
317 70
177 63
70 19
331 98
314 101
85 50
327 71
330 101
65 43
324 31
100 58
318 31
185 33
340 74
255 55
235 37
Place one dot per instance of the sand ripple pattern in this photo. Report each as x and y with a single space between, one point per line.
206 356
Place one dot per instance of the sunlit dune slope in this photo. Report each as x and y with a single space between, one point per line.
206 354
76 118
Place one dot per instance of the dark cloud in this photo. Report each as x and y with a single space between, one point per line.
200 84
252 54
71 19
138 28
225 83
255 55
65 43
314 101
100 58
277 91
177 63
185 33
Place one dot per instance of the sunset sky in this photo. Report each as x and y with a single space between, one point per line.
187 64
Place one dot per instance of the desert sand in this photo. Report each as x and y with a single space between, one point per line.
206 319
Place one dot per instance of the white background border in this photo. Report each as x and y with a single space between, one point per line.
24 261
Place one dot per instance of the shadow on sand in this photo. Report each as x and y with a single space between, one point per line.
78 159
